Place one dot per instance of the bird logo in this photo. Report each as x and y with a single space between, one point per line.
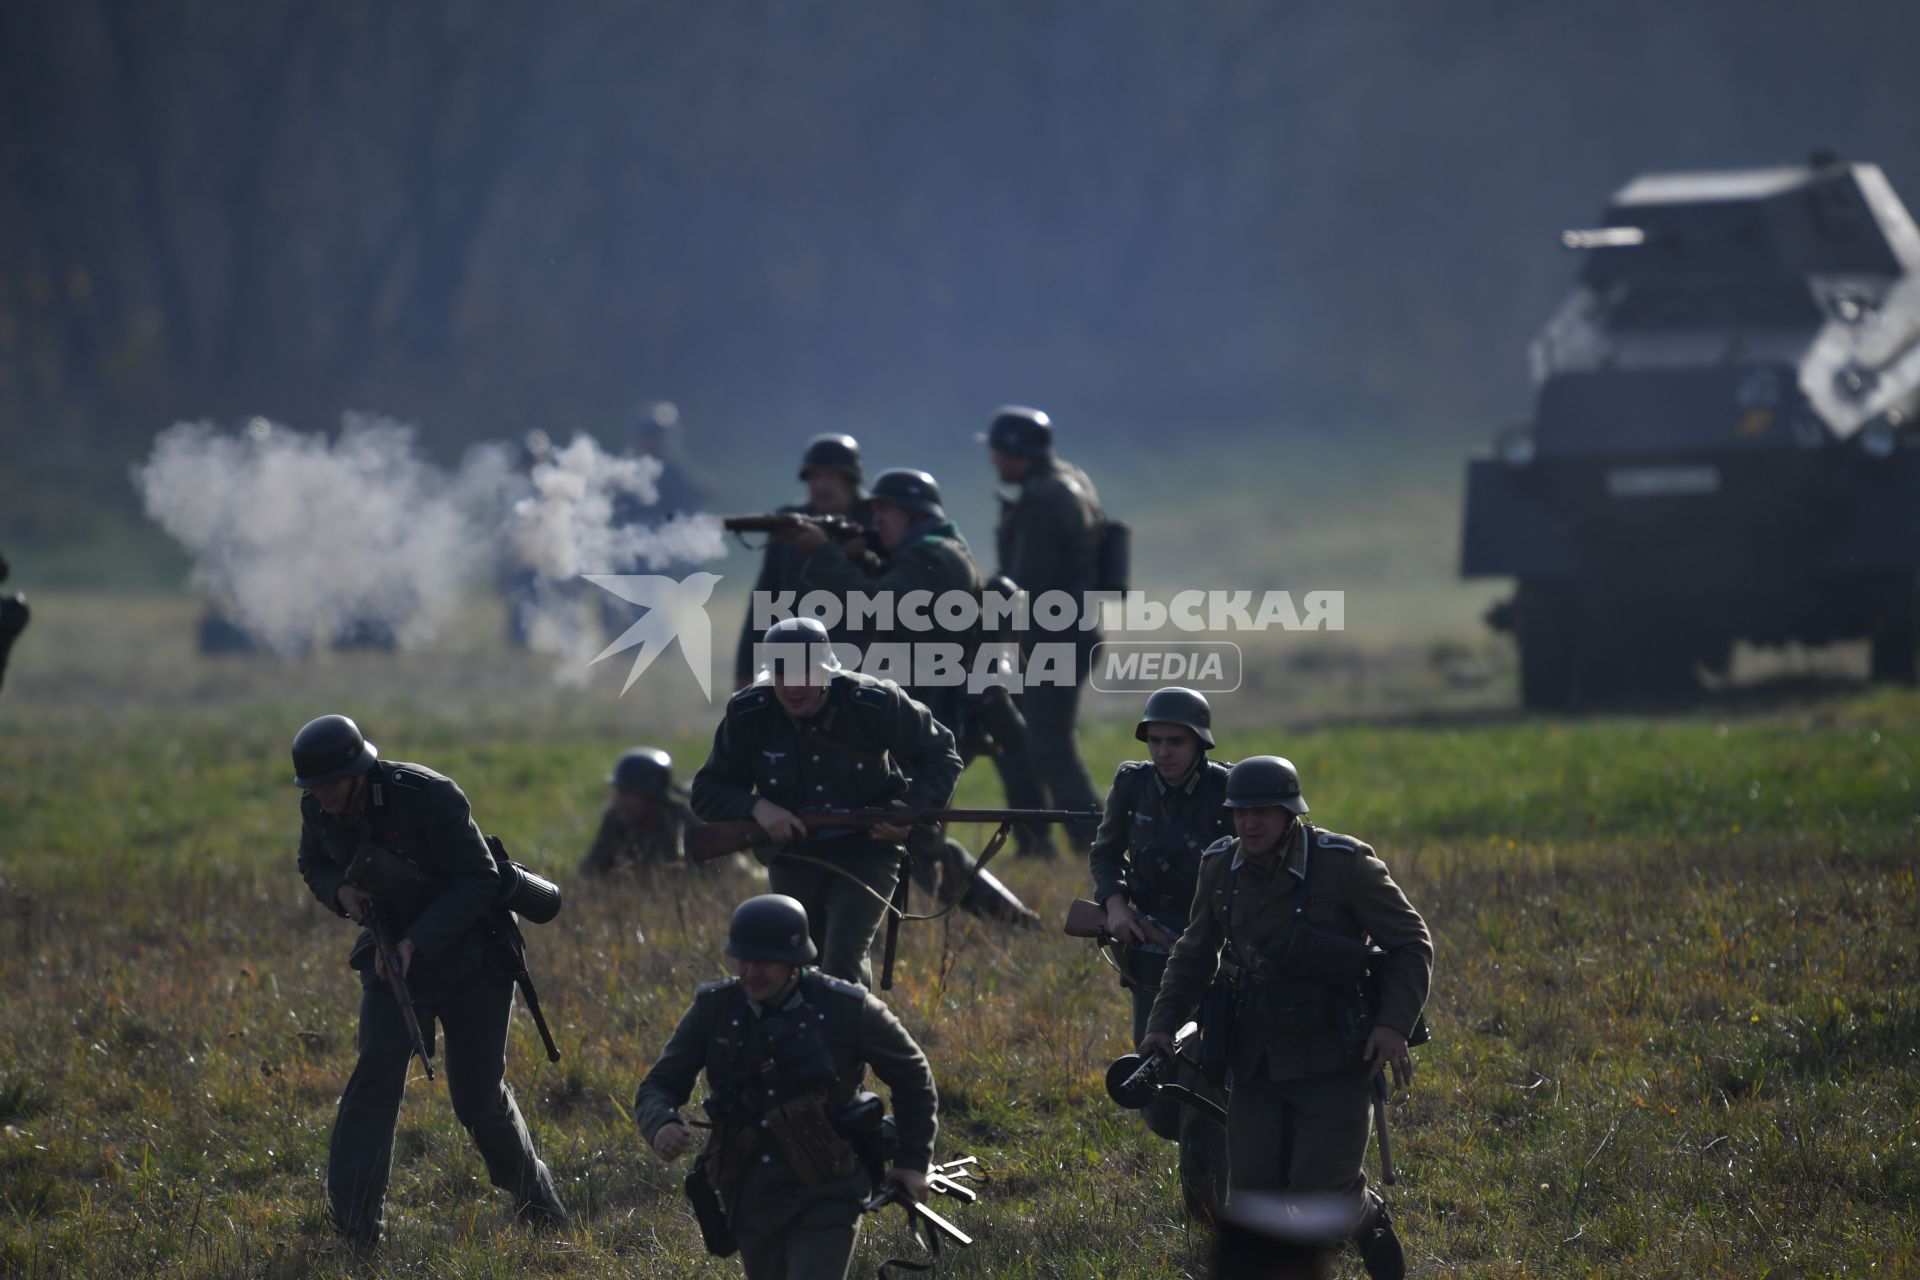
675 609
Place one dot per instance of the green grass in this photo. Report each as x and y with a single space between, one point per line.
1675 1016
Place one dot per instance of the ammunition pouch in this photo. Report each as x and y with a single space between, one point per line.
806 1136
715 1232
731 1147
869 1130
391 879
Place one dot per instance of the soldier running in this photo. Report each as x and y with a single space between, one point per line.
454 951
1296 910
785 1049
1162 813
817 736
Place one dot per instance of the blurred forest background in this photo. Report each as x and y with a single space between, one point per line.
1198 225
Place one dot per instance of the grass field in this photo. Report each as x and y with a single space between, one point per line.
1677 1030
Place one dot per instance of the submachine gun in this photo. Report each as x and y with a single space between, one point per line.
1136 1079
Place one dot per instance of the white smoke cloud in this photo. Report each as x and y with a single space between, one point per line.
297 538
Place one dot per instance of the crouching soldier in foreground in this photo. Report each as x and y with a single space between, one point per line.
645 824
785 1170
1294 912
457 955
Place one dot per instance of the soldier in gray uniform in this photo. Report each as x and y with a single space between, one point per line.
925 552
644 826
1161 814
785 1049
1049 540
817 736
454 951
1295 909
833 473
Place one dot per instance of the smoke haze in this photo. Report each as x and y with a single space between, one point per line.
298 539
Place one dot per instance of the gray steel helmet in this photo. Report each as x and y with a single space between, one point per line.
771 927
1265 782
328 748
647 770
911 491
802 631
1175 705
837 452
1020 431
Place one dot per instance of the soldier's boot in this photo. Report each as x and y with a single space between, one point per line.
1378 1245
542 1207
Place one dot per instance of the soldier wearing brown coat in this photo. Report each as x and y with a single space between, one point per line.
1292 912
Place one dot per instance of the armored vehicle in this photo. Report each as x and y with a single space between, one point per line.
1723 444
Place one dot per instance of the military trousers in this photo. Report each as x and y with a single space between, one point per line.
1300 1135
995 716
1203 1142
802 1251
841 916
1051 711
472 1019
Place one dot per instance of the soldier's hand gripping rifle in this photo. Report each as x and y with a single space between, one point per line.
1089 920
384 877
838 528
1135 1079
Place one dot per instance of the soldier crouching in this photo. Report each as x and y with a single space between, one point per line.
645 824
455 951
1295 912
785 1048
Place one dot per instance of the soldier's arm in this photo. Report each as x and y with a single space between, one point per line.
1107 860
1035 542
1390 920
912 569
669 1084
460 854
897 1060
723 787
604 853
925 748
323 875
1195 958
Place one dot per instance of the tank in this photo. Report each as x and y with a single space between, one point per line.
1722 445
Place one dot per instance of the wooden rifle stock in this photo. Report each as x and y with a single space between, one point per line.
397 983
1089 920
718 839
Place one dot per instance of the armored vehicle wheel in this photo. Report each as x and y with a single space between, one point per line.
1896 634
1544 625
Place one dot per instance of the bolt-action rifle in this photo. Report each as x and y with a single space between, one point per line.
838 528
718 839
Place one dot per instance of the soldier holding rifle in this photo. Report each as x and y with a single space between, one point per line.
815 735
456 961
832 471
793 1150
1333 968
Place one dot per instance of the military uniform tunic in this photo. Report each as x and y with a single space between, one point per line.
460 978
786 1228
657 840
1049 540
871 744
1298 1119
